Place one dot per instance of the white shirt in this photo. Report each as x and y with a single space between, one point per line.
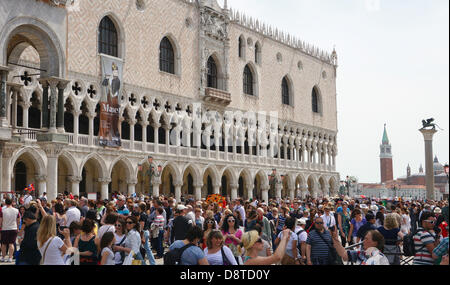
27 199
241 211
9 215
217 259
328 221
191 216
133 241
73 215
110 258
303 236
53 254
117 256
104 229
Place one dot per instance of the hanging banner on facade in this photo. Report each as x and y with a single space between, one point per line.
109 135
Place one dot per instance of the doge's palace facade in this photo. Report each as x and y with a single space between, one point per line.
216 98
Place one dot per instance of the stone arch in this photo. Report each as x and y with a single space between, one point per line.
220 70
209 185
242 46
99 162
167 187
71 163
36 158
128 166
34 164
176 51
323 186
290 84
255 78
316 90
228 179
21 32
195 172
245 177
311 182
333 184
120 33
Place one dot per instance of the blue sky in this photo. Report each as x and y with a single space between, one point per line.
393 69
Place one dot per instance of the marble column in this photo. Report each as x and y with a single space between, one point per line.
25 107
52 176
75 180
131 187
45 106
250 192
156 136
53 82
429 165
132 124
198 192
178 192
234 191
3 78
216 189
156 183
91 117
41 181
265 194
76 126
104 188
60 113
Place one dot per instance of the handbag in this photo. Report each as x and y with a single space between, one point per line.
45 251
333 258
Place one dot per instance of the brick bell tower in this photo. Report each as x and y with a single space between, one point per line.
387 173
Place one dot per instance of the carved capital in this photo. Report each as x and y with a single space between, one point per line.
75 179
40 178
104 180
52 150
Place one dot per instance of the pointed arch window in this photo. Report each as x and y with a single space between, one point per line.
315 101
241 47
212 73
166 56
285 96
248 81
108 40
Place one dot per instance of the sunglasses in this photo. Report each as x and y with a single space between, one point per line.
210 222
319 223
118 226
230 221
431 222
130 223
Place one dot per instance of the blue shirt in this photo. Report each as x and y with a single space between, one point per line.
190 256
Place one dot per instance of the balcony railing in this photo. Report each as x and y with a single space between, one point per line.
139 146
217 96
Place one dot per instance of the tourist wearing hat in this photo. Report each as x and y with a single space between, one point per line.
253 244
29 253
300 231
180 224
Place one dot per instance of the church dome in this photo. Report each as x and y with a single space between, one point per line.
437 167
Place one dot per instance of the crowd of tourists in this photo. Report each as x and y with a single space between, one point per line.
141 230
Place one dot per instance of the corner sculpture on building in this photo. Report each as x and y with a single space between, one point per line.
208 92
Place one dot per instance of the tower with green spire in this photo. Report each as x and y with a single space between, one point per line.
386 164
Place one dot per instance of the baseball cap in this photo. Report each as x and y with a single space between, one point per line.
301 221
181 207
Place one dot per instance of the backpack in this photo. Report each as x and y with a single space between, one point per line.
173 257
298 243
409 248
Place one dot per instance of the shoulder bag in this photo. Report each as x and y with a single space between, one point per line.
45 251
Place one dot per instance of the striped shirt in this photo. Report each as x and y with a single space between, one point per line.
421 240
159 222
319 248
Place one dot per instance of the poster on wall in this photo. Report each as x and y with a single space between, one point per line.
109 135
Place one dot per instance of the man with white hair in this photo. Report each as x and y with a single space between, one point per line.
72 213
267 233
190 213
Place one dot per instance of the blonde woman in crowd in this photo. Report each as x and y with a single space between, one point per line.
50 245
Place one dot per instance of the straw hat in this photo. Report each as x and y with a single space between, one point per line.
249 239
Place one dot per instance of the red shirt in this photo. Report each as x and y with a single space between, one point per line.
444 231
